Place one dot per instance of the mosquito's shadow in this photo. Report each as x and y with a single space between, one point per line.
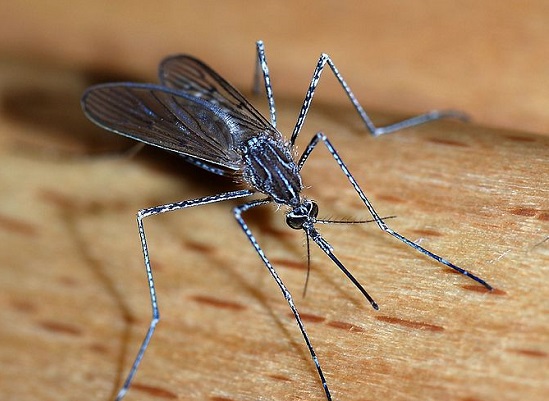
45 101
70 212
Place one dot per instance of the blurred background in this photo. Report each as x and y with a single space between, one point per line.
487 58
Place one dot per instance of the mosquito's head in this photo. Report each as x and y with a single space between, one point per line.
305 212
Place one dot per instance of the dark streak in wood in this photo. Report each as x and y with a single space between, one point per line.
390 198
344 326
524 211
59 327
309 317
447 270
427 233
17 226
447 142
290 264
23 306
410 324
483 290
199 247
280 378
217 303
57 199
99 348
529 352
154 391
517 138
543 216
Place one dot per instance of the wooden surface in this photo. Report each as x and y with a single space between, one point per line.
73 296
75 304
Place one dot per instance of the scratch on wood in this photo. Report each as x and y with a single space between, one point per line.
529 352
154 391
344 326
520 138
410 324
500 256
17 226
481 289
524 211
289 264
280 378
198 247
447 142
23 306
543 216
59 327
217 303
390 198
56 198
99 348
427 233
309 317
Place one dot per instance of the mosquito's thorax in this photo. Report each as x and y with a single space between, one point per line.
270 168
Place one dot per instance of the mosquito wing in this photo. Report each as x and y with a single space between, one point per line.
169 119
193 77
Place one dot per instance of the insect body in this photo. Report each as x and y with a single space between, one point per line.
199 115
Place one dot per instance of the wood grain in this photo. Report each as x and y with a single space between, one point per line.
74 300
73 296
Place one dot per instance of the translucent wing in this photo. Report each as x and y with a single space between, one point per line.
168 119
191 76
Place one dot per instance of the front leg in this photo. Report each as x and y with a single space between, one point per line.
320 137
238 216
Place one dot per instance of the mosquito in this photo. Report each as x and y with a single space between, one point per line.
197 114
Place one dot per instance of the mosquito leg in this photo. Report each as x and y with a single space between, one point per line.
382 225
327 249
263 66
238 215
150 280
375 131
308 267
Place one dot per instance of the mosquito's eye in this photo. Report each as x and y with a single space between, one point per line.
314 210
295 221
